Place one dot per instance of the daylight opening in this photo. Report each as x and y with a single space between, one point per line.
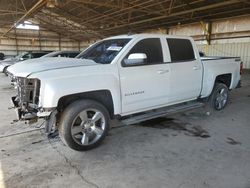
27 25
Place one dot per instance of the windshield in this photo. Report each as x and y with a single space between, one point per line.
104 51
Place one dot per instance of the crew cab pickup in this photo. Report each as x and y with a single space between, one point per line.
132 78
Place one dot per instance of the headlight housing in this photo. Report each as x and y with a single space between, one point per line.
28 90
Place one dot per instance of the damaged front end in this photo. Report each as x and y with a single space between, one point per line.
27 98
26 102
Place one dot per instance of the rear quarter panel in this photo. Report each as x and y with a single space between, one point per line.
216 67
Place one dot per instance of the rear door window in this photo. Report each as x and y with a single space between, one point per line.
180 50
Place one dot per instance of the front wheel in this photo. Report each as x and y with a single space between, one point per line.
84 124
219 97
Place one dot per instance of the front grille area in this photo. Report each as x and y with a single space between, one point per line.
28 91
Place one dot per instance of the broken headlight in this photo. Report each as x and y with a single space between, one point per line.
28 91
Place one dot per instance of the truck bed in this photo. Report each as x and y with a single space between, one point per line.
207 58
213 66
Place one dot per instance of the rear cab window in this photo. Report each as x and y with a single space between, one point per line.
180 50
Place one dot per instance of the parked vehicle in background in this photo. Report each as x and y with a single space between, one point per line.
131 78
1 56
4 64
202 54
70 54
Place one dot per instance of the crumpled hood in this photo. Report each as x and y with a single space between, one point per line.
28 67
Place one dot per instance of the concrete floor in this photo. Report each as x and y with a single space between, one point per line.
191 149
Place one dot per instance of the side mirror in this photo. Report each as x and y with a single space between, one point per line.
21 59
135 59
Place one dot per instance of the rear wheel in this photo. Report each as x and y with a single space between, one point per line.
84 124
219 97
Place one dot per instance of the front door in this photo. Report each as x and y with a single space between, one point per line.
145 86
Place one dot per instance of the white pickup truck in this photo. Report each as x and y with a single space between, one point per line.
132 78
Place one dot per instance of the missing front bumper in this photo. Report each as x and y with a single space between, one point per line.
22 115
48 114
17 109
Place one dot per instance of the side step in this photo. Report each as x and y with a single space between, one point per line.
161 112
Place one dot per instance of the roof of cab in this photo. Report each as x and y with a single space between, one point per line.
131 36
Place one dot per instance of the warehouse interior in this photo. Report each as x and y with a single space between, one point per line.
158 153
219 27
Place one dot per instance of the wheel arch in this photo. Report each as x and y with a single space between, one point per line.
5 70
224 78
211 80
102 96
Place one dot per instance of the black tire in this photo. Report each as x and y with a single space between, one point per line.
72 114
5 70
219 97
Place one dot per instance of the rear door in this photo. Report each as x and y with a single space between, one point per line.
145 86
186 71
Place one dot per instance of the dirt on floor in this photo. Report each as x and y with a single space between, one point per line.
197 148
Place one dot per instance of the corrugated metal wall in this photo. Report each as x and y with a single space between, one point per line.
28 40
225 37
229 49
229 37
222 41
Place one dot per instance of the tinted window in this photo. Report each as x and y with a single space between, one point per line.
37 55
73 54
27 56
62 55
152 48
180 50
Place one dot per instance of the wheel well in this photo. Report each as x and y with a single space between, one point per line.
102 96
225 79
5 68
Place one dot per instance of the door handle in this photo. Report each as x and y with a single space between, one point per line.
196 67
162 71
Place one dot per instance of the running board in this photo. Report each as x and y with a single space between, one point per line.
161 112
